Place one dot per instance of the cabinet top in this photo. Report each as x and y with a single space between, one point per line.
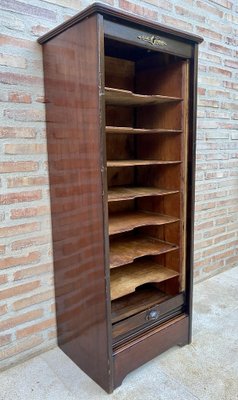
120 17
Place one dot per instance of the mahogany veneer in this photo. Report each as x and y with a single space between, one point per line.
121 117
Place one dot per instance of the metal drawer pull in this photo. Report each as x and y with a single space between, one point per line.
152 315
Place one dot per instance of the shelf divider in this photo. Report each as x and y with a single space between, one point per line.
127 221
120 193
140 131
126 250
126 279
134 163
127 98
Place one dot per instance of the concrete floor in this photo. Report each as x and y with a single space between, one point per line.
207 369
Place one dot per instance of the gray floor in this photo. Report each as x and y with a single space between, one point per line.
207 369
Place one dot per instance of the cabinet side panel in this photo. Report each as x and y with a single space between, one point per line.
73 134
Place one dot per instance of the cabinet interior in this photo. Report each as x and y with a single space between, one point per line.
146 105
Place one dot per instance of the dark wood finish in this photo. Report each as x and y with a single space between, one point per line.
147 346
120 15
153 315
73 130
133 303
120 107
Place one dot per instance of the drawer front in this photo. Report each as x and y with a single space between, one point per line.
153 315
147 39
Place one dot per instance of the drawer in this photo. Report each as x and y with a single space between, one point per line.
151 316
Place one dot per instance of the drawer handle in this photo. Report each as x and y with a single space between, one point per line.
152 315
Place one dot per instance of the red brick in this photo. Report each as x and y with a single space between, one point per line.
220 71
18 166
187 13
23 260
36 328
28 9
166 5
139 10
35 148
177 23
208 33
208 103
29 212
20 347
11 78
29 242
3 309
20 197
231 63
9 132
3 278
2 249
9 231
12 61
19 97
35 299
223 3
27 181
25 115
5 339
33 271
220 49
38 30
20 319
209 9
19 289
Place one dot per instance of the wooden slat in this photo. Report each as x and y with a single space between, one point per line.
136 302
119 193
126 279
128 98
126 250
133 163
139 131
127 221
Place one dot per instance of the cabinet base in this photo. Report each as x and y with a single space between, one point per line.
145 347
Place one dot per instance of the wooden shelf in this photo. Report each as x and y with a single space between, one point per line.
139 131
126 279
134 163
127 221
120 193
128 98
126 250
136 302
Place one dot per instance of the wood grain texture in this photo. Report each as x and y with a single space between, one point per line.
133 303
134 163
127 98
126 250
139 131
148 345
73 129
130 193
127 221
126 279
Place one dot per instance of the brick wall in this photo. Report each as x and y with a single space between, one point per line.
27 322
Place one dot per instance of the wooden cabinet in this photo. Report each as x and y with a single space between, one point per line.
120 110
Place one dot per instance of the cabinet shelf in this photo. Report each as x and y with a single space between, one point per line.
127 98
127 221
126 279
126 250
140 131
134 163
129 193
133 303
